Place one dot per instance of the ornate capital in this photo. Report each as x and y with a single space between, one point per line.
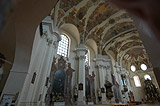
50 41
100 66
57 36
55 44
50 25
81 50
81 57
118 71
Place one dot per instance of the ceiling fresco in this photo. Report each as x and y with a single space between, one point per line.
111 28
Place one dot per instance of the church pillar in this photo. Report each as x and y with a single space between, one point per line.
44 84
81 52
127 82
40 73
119 80
110 99
101 69
108 70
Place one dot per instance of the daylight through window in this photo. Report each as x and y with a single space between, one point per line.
147 77
87 59
137 81
63 46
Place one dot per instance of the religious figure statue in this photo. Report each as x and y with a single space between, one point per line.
53 68
99 94
92 87
76 92
68 80
131 96
109 92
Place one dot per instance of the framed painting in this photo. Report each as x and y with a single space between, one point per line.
8 100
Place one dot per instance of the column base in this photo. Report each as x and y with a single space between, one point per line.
81 103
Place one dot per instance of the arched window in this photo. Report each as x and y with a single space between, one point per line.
63 46
87 59
147 77
137 81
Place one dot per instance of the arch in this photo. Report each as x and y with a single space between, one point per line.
63 46
146 77
92 44
24 29
70 30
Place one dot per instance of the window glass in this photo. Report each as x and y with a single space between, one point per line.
87 58
63 46
143 67
133 68
137 81
147 77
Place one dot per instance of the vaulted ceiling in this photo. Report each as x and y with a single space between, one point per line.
111 28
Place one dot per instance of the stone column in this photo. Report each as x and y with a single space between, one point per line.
118 79
128 84
108 69
41 71
101 69
81 52
52 50
125 94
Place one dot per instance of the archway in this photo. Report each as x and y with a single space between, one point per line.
25 21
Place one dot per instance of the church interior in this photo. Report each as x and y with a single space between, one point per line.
76 52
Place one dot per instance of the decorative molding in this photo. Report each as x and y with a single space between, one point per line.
101 59
81 50
57 34
100 66
50 41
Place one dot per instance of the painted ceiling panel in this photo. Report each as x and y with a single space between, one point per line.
111 28
68 4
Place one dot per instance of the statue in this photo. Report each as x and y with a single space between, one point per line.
151 93
131 96
68 80
53 69
99 94
109 92
76 92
